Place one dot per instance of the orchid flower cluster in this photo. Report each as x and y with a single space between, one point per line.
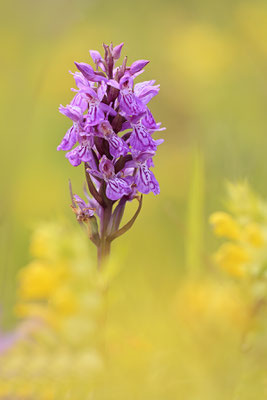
112 127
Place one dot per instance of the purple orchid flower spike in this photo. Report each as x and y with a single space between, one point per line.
112 129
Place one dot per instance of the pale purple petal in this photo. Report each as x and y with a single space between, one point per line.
89 73
73 157
138 66
81 203
69 139
144 156
86 138
145 91
94 173
94 115
129 165
96 56
85 154
101 91
92 203
139 87
86 69
79 101
117 146
117 51
149 122
130 104
150 163
80 80
145 181
105 129
87 209
117 188
107 109
89 93
113 83
126 125
79 154
106 167
158 142
141 139
98 60
72 112
126 82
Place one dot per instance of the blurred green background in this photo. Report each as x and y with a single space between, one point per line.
210 58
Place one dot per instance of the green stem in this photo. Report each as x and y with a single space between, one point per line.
103 252
103 248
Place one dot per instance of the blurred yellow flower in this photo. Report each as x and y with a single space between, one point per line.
76 352
58 292
39 280
232 258
60 283
246 225
253 235
224 225
64 301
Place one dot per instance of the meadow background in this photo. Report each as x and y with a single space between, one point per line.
210 58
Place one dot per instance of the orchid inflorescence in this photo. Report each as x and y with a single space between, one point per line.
112 127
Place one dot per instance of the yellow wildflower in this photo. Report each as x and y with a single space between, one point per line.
38 280
232 258
253 235
64 301
224 225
